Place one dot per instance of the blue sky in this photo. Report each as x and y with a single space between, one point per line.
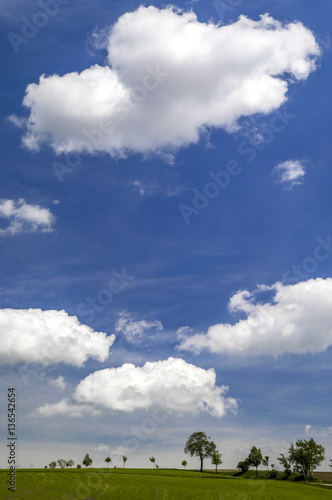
191 241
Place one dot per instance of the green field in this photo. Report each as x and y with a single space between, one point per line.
148 484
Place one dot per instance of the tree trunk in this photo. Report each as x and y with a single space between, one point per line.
201 464
256 470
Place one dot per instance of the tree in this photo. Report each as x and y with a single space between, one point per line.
87 460
216 459
198 444
124 460
255 457
62 462
52 465
184 463
153 460
70 463
330 464
244 465
285 463
79 466
108 460
265 462
306 456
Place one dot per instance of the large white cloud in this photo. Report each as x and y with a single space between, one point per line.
49 337
172 384
168 77
298 320
23 217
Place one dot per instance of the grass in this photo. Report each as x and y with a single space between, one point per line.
151 484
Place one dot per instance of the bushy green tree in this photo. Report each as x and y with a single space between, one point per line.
306 456
285 463
124 460
62 462
108 460
70 463
216 459
199 444
52 465
255 457
184 463
87 460
244 465
265 462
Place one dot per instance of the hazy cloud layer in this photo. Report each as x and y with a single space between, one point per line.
168 77
298 320
23 217
49 337
134 329
172 384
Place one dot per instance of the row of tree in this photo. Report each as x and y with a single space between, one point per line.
304 457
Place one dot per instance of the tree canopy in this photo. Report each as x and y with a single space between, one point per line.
306 456
216 459
87 460
199 445
255 457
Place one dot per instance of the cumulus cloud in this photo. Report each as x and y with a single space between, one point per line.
49 337
23 217
172 385
58 383
168 78
297 320
134 329
290 172
64 407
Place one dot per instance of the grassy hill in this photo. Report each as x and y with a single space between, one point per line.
149 484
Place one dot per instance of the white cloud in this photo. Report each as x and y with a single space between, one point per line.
102 448
64 407
307 429
49 337
168 78
290 171
58 383
298 320
134 329
26 218
172 385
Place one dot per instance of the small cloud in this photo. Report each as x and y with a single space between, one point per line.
58 383
134 329
102 448
307 429
290 172
64 407
25 218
